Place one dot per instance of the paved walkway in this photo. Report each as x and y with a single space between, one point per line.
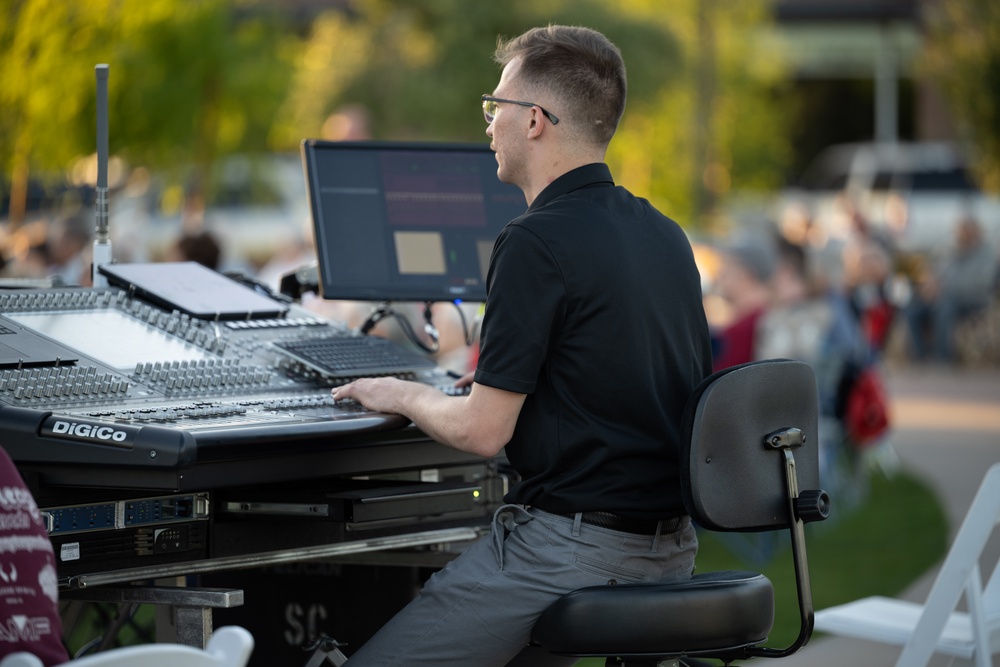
947 432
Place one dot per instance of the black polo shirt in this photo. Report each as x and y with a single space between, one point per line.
594 311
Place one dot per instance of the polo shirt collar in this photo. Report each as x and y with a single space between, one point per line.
588 175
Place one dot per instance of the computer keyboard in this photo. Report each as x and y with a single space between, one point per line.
354 356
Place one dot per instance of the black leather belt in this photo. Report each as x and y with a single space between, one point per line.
636 526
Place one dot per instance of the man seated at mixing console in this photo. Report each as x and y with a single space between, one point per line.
593 338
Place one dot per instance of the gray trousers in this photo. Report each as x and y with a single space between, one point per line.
478 611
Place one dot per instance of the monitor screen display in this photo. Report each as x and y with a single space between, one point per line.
405 221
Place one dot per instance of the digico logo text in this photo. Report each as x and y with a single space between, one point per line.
89 431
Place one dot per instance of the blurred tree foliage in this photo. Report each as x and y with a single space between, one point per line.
963 56
741 143
188 81
419 68
195 79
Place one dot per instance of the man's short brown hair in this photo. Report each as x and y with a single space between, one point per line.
581 66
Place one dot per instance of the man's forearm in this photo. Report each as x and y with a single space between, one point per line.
479 423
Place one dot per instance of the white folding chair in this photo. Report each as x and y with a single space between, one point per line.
229 646
972 637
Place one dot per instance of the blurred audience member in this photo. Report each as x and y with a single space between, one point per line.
201 247
68 247
810 323
30 264
868 265
294 252
348 123
798 226
960 286
743 283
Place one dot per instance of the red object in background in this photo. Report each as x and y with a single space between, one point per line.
866 413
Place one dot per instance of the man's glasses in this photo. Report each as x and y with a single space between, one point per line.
492 104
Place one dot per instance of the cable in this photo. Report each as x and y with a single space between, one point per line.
374 317
429 328
257 286
467 333
384 310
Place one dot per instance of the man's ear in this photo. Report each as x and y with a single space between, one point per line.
536 124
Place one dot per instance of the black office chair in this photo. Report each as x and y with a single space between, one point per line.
739 473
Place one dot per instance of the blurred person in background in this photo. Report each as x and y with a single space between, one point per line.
743 282
809 322
348 123
868 265
27 265
50 251
961 285
68 247
201 247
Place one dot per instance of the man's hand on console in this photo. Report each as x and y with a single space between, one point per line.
377 394
465 380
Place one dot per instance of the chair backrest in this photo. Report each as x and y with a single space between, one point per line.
229 646
731 478
751 442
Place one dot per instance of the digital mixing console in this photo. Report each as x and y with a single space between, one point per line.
151 388
150 435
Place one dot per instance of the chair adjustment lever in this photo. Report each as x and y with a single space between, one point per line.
785 438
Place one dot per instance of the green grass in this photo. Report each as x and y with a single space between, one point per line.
89 621
878 548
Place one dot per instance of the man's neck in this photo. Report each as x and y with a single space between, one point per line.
552 167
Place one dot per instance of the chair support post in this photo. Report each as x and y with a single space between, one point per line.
796 529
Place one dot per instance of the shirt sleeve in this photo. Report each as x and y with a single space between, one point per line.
525 306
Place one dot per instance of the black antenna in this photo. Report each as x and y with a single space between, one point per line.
102 243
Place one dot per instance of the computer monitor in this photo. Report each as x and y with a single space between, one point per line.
405 221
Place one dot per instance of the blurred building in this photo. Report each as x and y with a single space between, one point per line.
853 74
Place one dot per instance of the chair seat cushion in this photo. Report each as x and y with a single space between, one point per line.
709 612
